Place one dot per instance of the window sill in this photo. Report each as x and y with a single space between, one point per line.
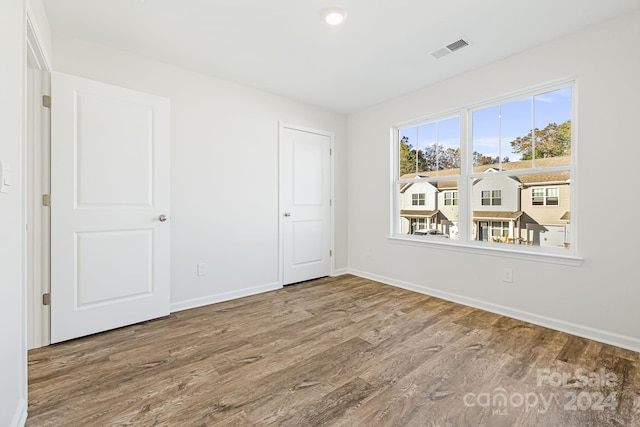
481 248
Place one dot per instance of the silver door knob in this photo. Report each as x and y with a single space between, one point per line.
287 214
162 218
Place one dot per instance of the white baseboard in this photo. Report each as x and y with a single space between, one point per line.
630 343
340 272
20 416
226 296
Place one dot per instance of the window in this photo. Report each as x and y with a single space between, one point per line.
485 184
418 199
491 198
451 198
499 230
419 224
545 196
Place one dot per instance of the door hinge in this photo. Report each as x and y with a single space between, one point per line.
46 200
46 101
330 151
46 299
330 253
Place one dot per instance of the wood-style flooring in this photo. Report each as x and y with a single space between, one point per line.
341 351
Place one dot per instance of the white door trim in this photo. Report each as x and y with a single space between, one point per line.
330 135
37 247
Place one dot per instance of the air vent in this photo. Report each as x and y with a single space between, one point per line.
440 53
457 45
451 47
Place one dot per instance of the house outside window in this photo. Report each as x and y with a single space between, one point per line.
507 179
418 199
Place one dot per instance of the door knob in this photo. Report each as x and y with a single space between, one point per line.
162 218
287 214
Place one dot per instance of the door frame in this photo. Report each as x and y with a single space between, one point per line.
37 182
330 135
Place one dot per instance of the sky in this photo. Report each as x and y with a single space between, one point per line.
492 133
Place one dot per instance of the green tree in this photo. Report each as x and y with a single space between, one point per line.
552 141
408 158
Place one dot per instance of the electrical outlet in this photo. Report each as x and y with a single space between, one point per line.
202 269
507 275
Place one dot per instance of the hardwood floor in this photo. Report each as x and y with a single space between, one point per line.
342 351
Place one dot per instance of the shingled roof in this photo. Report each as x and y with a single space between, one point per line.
418 213
497 215
520 165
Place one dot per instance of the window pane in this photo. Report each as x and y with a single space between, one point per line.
515 131
502 134
449 143
439 145
553 124
486 136
428 145
432 218
552 196
407 152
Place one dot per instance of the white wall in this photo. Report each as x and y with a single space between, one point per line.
598 299
224 160
13 365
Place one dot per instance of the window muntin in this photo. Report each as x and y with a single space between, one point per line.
524 141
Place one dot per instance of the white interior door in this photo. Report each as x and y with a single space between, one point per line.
305 197
110 195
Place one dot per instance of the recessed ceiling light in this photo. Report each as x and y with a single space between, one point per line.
334 16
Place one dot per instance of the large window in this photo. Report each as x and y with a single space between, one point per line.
499 172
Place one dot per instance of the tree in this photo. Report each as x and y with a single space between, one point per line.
434 157
408 158
552 141
480 159
439 158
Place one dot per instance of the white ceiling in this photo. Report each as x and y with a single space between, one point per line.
381 51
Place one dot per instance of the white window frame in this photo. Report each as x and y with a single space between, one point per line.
465 241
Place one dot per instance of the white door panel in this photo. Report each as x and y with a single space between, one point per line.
107 128
109 186
305 203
